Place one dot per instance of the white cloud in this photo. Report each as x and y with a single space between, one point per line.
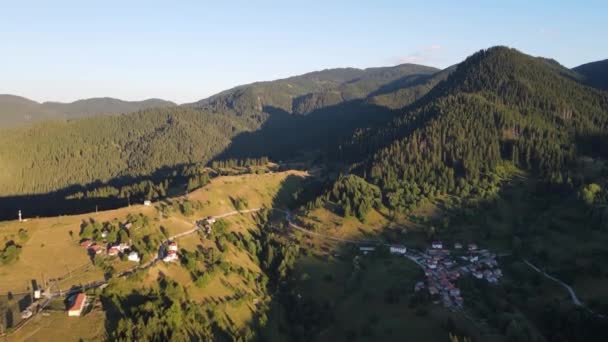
423 55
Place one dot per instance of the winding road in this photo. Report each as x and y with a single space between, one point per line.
568 288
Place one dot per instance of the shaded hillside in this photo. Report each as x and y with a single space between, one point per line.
102 149
306 93
16 110
594 74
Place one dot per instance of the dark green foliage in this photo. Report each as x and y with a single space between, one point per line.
353 195
594 74
497 105
10 253
53 155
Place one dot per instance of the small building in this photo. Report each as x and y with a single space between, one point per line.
27 313
478 275
457 245
172 246
398 249
113 251
133 256
95 249
367 249
472 247
147 203
104 234
474 258
454 292
123 247
437 245
37 293
210 220
86 243
171 256
77 305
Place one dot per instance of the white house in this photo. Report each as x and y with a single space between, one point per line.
147 203
172 246
210 220
133 256
398 249
171 256
437 245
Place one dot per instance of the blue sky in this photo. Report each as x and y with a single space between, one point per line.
187 50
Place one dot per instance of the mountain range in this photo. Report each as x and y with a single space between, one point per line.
17 110
340 114
503 149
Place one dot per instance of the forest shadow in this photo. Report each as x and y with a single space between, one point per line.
281 137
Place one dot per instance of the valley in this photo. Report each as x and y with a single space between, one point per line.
395 203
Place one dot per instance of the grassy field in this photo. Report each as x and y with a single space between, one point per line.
57 326
51 252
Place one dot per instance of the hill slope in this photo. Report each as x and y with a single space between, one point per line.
306 93
595 73
16 110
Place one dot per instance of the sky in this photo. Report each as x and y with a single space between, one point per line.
184 51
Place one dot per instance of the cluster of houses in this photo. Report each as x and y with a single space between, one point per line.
442 268
110 249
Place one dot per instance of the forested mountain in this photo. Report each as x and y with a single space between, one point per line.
595 73
56 154
306 93
408 129
499 104
100 149
16 110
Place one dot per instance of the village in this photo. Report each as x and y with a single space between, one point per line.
78 300
443 267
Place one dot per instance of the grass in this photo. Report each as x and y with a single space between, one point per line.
57 326
50 252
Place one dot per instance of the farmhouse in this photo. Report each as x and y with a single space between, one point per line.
367 249
133 256
86 243
113 251
398 249
95 249
77 304
171 252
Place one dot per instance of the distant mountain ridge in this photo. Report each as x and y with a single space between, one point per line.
17 110
315 90
594 74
